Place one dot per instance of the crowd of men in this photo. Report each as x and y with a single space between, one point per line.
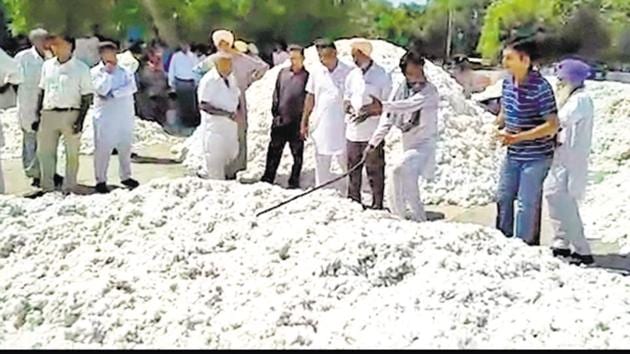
346 111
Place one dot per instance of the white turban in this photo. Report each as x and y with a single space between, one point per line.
240 46
222 35
362 45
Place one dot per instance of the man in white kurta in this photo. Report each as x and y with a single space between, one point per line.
30 62
566 184
412 108
8 73
219 98
324 114
114 116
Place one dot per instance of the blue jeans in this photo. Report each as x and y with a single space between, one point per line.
522 182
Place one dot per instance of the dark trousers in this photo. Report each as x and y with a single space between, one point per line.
375 167
187 103
280 136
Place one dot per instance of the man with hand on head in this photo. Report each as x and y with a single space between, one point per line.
114 116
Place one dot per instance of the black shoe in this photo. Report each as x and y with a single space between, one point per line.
561 253
130 183
58 180
579 260
101 188
134 155
115 152
36 183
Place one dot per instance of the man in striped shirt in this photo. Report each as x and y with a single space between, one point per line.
528 121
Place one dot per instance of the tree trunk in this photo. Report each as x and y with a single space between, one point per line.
449 35
164 24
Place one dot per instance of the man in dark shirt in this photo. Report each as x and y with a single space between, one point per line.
287 109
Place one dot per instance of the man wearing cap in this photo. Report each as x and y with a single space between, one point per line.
64 100
246 70
566 184
367 80
324 116
30 62
114 115
219 99
182 79
8 74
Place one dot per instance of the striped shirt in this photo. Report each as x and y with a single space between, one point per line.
526 107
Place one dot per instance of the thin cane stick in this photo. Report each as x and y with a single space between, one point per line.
315 189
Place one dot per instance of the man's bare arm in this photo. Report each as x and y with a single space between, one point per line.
550 128
309 103
210 109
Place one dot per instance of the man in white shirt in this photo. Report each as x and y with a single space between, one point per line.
219 99
30 62
324 116
412 108
65 97
366 80
114 115
182 79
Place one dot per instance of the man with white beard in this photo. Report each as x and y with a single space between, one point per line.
324 117
219 99
367 79
566 184
30 62
114 116
246 70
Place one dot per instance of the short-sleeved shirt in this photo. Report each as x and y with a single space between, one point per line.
526 107
360 86
328 117
288 97
64 84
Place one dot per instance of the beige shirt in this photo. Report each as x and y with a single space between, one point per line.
64 84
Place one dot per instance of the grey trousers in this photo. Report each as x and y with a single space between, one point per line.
240 163
375 168
30 163
53 126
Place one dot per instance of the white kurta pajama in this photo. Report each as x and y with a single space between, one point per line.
416 115
220 133
566 184
114 115
327 122
8 74
30 69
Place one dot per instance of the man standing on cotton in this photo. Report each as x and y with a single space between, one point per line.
367 80
182 79
30 62
114 116
566 184
8 75
287 109
65 97
528 123
324 116
219 100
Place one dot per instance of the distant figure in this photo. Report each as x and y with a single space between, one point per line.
465 76
8 70
287 109
182 79
280 55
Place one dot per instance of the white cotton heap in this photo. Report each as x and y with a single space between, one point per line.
185 264
145 134
467 162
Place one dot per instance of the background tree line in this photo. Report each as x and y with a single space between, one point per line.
592 28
